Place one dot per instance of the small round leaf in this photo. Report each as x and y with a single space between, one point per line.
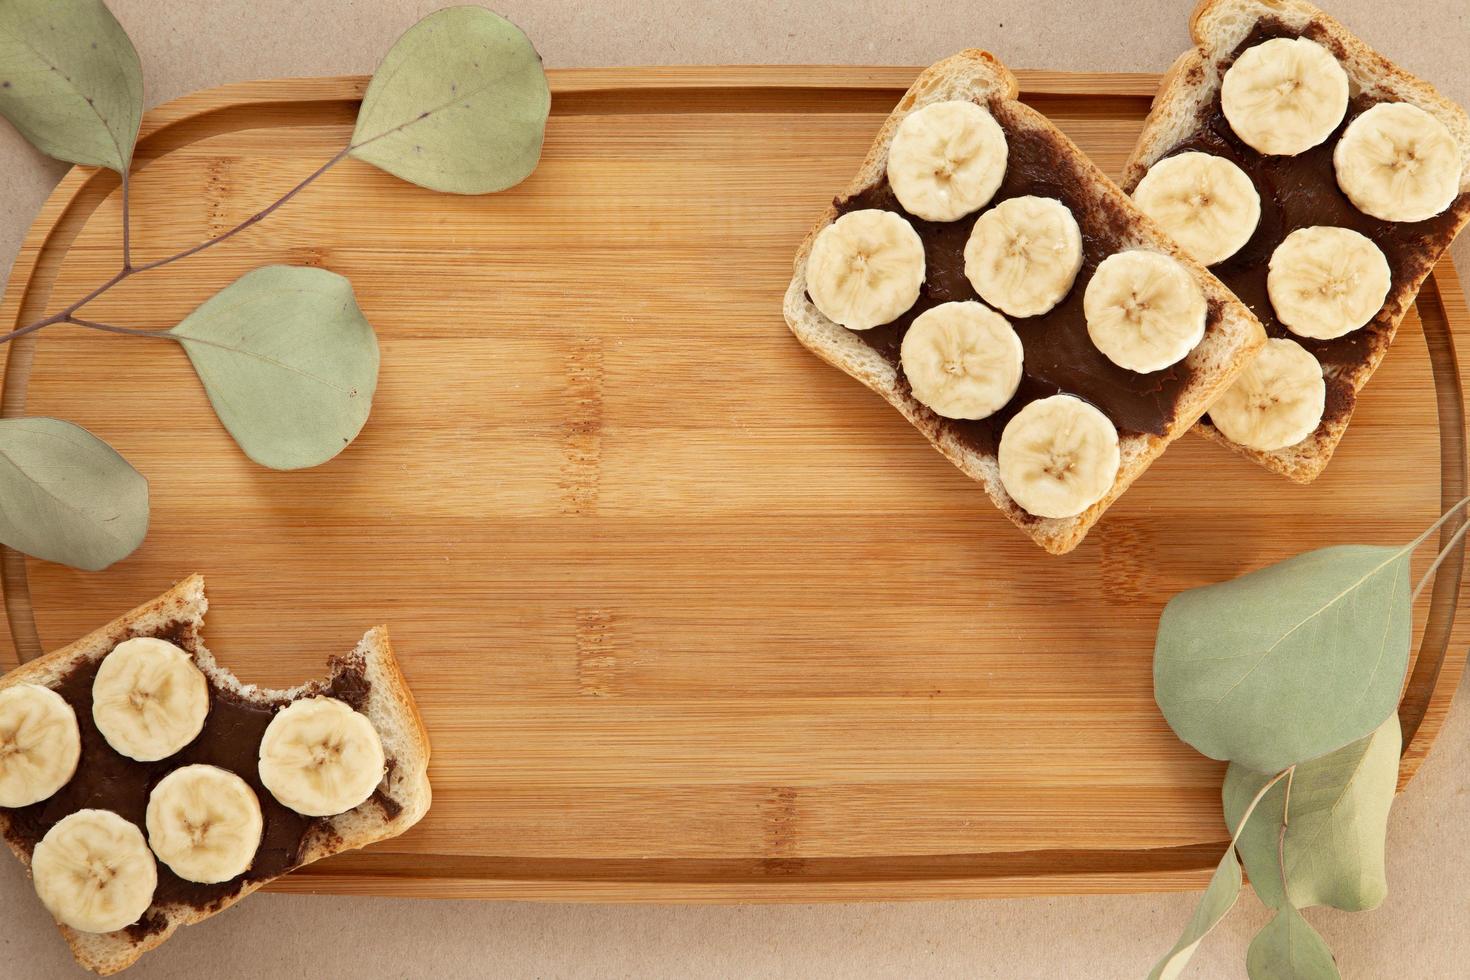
70 80
459 105
289 362
66 496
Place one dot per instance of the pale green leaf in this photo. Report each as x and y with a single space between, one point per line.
1288 948
1290 662
1218 899
66 496
289 362
1338 824
459 104
70 80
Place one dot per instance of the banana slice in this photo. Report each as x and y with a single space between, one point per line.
149 700
947 160
865 269
1205 202
321 758
962 360
204 823
93 871
1058 456
39 744
1398 163
1325 282
1144 310
1277 401
1284 96
1023 255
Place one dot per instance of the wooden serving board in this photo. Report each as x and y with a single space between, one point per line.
690 615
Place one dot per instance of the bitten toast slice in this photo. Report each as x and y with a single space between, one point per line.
1187 99
1101 209
368 676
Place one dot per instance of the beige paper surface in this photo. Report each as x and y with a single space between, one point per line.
1419 932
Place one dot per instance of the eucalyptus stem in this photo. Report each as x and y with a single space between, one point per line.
1260 795
1439 560
1412 545
114 328
67 313
1281 834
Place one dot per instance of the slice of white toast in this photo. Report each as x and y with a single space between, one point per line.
1188 95
370 672
1232 337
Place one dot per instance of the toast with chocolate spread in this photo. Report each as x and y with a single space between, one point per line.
1057 374
1304 189
365 683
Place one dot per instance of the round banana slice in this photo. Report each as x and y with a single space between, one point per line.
962 360
1398 163
321 758
204 823
1205 202
1058 456
149 700
1284 96
93 871
865 269
1277 401
1325 282
1144 310
39 744
947 159
1023 255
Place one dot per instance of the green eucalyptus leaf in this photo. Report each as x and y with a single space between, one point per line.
288 361
459 104
70 80
66 496
1288 948
1339 821
1290 662
1218 899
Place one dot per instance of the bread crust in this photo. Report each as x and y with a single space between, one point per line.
390 706
1218 27
1226 349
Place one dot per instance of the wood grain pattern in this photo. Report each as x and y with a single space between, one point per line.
690 616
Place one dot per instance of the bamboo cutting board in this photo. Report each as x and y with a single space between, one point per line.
689 615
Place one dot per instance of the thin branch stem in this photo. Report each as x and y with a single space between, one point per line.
127 236
114 328
1413 545
1260 795
1281 835
66 314
1459 536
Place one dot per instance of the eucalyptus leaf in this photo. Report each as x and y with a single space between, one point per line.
70 80
1338 824
66 496
1218 899
459 104
1290 662
288 361
1288 948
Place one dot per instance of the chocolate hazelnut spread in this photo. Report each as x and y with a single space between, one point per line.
1301 191
1059 355
230 740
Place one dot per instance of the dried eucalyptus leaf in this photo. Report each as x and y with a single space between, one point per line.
70 80
66 496
1288 948
1290 662
459 104
288 361
1339 822
1218 899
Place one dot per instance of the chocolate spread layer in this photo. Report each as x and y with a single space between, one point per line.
1059 355
1301 191
230 739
